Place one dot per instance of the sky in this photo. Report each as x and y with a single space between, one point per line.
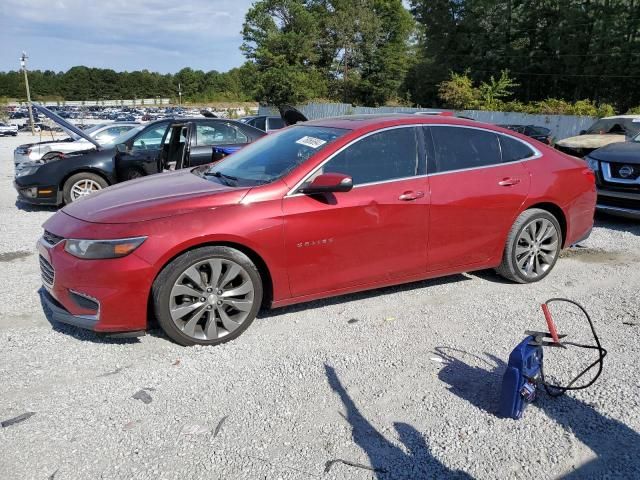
157 35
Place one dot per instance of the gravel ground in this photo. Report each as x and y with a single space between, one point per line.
396 383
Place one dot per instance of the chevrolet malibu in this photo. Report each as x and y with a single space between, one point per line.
318 209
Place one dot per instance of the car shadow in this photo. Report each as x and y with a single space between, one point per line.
352 297
616 445
80 333
387 459
619 224
29 207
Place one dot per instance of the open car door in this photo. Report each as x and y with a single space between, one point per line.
176 147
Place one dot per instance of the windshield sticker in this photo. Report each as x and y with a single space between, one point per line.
636 120
312 142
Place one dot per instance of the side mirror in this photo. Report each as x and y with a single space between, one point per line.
327 183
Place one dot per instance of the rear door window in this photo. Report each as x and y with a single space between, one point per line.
459 148
514 150
388 155
152 137
219 133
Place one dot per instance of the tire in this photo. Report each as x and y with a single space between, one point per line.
533 245
133 173
74 184
192 301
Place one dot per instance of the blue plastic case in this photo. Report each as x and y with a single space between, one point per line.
519 383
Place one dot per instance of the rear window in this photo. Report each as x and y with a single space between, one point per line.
514 150
458 148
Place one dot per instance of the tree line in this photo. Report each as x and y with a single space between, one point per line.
521 54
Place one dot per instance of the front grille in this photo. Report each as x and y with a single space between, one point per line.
47 272
633 171
51 238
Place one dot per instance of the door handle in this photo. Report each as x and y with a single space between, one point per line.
507 182
410 195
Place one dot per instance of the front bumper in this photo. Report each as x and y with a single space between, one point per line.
62 315
619 203
117 289
38 194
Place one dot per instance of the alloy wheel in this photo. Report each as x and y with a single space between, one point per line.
211 299
84 187
537 247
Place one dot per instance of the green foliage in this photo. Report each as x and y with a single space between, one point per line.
353 50
83 83
492 93
569 49
458 92
544 56
634 111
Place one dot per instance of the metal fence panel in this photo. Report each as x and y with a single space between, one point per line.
561 126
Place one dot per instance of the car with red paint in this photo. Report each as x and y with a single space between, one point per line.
319 209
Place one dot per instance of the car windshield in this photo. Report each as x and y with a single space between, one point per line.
127 135
622 126
273 156
636 139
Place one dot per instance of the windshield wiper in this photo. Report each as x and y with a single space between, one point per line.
221 175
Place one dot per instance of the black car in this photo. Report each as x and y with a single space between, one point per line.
542 134
617 169
152 148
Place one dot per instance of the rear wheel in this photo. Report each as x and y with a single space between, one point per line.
82 184
532 248
207 296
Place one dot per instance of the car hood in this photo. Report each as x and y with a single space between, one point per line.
68 127
627 152
156 196
590 141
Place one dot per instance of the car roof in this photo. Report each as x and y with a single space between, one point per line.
373 121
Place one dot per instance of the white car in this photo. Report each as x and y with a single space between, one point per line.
8 129
104 134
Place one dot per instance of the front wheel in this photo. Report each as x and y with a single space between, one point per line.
82 184
207 296
532 247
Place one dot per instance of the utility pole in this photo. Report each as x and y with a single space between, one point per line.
23 64
179 95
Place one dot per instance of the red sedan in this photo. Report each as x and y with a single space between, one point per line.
319 209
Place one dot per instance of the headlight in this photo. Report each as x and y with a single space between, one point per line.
592 163
95 249
21 172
